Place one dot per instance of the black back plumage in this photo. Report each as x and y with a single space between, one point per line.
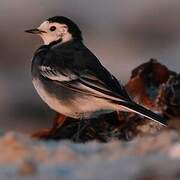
77 58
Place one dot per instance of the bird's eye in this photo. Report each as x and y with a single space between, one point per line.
52 28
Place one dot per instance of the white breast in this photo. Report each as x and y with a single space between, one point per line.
79 107
50 99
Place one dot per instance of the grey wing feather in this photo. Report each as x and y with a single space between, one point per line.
56 75
87 84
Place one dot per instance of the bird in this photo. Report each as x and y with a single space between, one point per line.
71 80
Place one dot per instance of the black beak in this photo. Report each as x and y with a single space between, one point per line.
35 31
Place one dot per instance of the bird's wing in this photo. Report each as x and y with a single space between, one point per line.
101 73
83 72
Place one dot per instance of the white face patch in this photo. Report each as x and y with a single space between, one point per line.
54 32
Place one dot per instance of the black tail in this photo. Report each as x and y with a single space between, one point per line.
131 106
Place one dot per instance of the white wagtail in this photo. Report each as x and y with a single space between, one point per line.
70 78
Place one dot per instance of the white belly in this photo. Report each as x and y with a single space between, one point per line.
50 99
80 107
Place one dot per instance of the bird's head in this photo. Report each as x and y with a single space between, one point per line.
57 29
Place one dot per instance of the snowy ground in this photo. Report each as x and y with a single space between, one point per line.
147 158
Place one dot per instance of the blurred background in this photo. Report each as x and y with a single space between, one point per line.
121 33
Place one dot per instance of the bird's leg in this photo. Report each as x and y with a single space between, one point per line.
77 135
80 129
